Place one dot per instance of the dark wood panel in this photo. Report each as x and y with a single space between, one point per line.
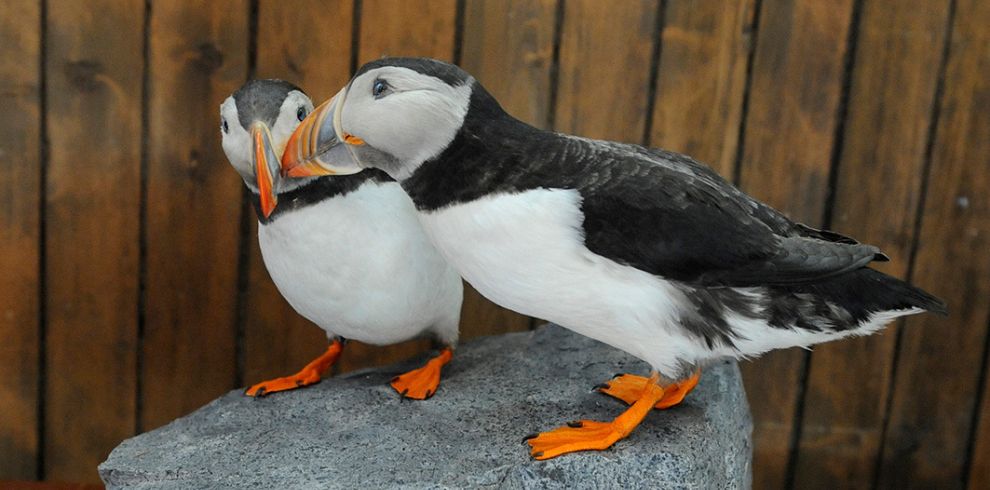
508 47
20 186
294 45
937 373
701 80
876 200
198 56
789 135
602 56
94 65
400 28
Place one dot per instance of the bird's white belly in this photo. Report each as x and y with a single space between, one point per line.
526 252
360 266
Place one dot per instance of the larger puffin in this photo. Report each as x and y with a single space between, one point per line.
644 249
346 252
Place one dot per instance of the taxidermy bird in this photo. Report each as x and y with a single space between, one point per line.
346 252
643 249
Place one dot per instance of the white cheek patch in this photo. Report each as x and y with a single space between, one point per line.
412 124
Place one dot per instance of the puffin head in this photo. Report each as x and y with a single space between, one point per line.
255 124
394 115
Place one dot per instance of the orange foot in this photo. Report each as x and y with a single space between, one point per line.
628 387
420 384
587 435
306 376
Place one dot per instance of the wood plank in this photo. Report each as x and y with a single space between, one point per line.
293 45
797 77
937 373
403 28
876 200
979 471
400 28
622 41
20 186
94 63
701 80
198 57
508 47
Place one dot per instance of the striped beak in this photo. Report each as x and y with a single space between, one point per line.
266 167
314 149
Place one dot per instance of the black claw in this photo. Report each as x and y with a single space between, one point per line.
299 383
600 387
616 375
394 379
402 396
538 454
429 394
576 424
531 436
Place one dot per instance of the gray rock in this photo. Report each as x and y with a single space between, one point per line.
352 431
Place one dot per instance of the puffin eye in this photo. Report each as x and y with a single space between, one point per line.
378 88
301 113
223 124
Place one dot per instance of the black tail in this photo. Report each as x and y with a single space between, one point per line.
866 291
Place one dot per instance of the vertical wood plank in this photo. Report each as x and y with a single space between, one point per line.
701 80
937 373
198 57
94 65
508 47
20 185
789 136
400 28
876 199
294 45
602 56
979 471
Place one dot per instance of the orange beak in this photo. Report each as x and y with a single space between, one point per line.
263 161
315 149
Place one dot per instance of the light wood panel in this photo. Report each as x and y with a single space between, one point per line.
198 56
94 65
20 186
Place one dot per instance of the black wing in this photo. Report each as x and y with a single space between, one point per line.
669 215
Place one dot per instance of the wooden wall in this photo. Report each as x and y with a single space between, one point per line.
132 288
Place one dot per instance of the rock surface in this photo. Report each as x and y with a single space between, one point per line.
352 431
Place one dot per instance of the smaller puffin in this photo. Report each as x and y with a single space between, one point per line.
346 252
644 249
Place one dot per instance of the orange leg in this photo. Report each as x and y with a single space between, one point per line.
306 376
627 387
420 384
586 435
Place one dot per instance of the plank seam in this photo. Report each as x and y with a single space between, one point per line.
142 299
747 85
458 31
355 36
651 89
558 28
42 238
936 111
975 422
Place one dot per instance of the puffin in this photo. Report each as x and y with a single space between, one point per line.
646 250
346 252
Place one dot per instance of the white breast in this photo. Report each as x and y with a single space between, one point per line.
360 266
526 252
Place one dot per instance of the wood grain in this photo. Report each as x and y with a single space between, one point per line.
94 63
400 28
20 230
790 130
937 373
294 45
603 85
701 80
508 48
403 28
198 57
876 200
